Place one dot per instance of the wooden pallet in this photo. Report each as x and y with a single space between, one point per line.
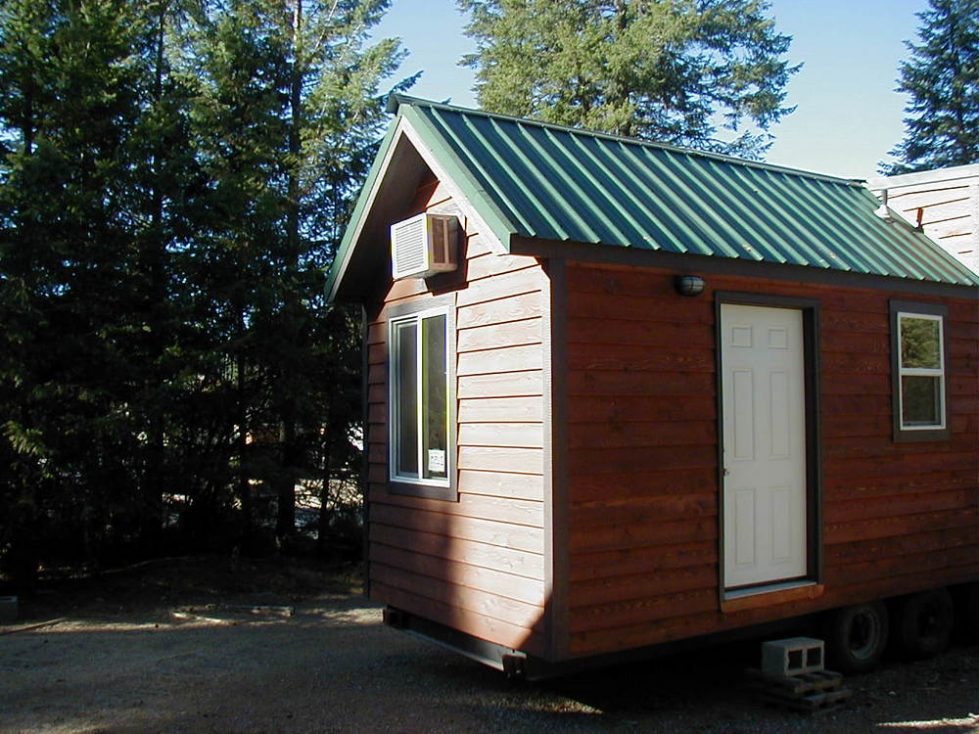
808 692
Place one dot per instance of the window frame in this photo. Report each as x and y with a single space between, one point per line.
932 312
432 488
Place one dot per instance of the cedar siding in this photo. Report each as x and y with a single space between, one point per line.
583 516
643 460
476 564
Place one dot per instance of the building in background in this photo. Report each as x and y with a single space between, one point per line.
943 202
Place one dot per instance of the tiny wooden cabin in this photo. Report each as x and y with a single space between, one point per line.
652 394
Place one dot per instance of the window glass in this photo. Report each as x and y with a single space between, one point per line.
921 342
922 371
406 398
922 401
419 399
434 402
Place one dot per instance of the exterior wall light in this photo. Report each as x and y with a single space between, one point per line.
689 285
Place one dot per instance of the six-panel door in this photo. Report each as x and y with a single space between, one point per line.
763 404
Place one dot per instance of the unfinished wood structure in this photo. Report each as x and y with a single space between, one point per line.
629 457
943 202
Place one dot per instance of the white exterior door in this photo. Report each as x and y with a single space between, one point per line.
764 493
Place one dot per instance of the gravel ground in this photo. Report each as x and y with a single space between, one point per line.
122 662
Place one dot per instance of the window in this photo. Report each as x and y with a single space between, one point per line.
421 401
919 371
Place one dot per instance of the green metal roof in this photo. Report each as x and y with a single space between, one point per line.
536 180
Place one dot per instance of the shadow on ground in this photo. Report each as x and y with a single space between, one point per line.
121 662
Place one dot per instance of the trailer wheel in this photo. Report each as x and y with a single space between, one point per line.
856 637
968 608
924 623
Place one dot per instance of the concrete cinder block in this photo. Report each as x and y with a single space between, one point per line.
792 656
8 609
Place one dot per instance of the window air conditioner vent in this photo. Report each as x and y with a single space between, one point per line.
423 245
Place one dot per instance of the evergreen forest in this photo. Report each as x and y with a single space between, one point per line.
174 179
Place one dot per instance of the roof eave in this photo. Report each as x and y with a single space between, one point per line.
334 276
718 265
475 202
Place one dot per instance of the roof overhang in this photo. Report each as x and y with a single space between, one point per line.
523 185
584 252
406 156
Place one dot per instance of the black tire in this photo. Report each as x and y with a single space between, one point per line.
924 623
967 612
856 637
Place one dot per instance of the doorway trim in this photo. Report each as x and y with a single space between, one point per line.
812 402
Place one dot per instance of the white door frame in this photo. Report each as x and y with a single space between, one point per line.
810 324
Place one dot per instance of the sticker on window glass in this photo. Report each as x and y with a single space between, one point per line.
436 461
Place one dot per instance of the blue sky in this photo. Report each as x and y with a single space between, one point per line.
848 115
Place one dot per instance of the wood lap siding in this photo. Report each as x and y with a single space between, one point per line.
476 564
643 469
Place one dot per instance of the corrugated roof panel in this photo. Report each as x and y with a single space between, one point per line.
599 195
664 226
852 244
647 224
796 213
660 201
788 213
749 209
573 206
696 231
491 171
864 238
561 184
727 220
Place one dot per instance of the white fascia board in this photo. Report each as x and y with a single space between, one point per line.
935 175
405 129
408 130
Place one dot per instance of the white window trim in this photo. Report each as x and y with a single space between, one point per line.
393 422
922 371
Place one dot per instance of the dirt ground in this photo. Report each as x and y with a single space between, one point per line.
194 646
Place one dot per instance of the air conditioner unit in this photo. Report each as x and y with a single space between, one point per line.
424 245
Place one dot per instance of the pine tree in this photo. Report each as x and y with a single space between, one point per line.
286 118
174 176
69 271
335 113
942 77
164 180
665 70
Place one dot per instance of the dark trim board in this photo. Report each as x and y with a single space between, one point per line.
814 460
703 264
365 326
557 560
902 435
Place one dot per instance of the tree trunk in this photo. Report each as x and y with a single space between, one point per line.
326 496
291 451
155 255
241 440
